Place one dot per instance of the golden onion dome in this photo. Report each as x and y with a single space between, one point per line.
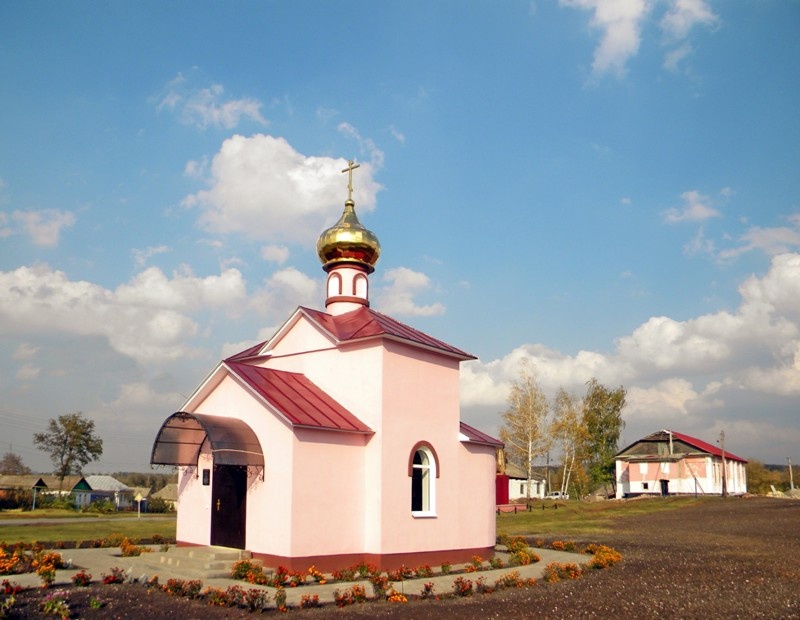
348 241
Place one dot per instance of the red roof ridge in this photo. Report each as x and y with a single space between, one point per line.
365 323
705 446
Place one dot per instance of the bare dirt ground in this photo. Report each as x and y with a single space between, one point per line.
726 558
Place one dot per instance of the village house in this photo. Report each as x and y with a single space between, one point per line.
336 441
514 486
668 463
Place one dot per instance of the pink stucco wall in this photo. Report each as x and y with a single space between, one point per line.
694 474
328 493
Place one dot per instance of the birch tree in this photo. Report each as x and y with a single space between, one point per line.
568 433
524 429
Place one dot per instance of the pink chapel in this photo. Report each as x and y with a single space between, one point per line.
336 441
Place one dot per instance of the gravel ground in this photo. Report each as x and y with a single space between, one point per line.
724 558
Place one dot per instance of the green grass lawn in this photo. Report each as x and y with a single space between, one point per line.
94 527
571 518
588 519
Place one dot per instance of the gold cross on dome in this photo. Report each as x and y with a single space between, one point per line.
351 165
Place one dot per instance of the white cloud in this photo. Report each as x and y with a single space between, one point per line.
205 107
262 188
5 230
696 208
151 288
366 145
44 226
275 253
28 372
397 134
146 319
140 257
399 296
621 24
25 351
771 241
699 244
676 368
683 15
283 291
674 57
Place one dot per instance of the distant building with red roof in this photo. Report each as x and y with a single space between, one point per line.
336 441
668 463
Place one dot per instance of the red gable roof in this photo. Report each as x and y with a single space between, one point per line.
476 436
297 399
363 324
705 447
367 323
663 436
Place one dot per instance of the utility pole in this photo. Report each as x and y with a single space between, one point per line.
791 476
547 471
724 468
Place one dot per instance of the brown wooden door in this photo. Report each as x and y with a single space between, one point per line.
229 506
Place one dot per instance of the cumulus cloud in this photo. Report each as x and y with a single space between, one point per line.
263 188
207 106
674 370
283 291
398 297
146 319
696 208
620 22
44 226
275 253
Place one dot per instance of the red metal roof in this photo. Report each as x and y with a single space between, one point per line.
663 436
706 447
297 399
253 351
362 324
367 323
476 436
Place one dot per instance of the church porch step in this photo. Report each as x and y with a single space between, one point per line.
192 562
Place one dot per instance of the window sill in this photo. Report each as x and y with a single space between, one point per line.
423 515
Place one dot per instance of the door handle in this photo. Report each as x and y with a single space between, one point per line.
217 505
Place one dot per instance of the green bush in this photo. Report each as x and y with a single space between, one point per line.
101 506
54 500
158 504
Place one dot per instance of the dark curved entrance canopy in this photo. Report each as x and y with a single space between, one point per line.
182 435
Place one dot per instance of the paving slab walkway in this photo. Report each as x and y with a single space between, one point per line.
98 562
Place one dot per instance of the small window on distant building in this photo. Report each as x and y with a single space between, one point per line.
206 477
423 481
522 489
645 486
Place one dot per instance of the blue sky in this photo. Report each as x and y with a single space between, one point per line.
606 188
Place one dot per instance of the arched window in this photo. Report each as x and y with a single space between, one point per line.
423 471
